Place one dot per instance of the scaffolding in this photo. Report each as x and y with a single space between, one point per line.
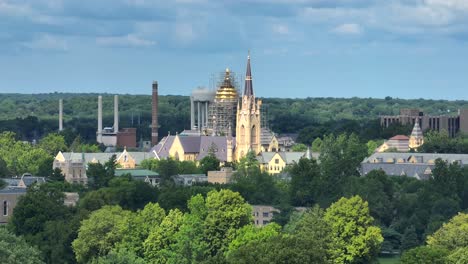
222 112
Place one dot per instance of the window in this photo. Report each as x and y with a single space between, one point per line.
266 214
5 208
265 222
276 161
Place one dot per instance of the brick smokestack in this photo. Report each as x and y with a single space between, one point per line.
154 115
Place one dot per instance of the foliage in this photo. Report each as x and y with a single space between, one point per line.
355 240
53 143
458 256
317 145
120 257
441 142
99 233
299 147
452 235
209 163
15 250
305 178
424 255
99 175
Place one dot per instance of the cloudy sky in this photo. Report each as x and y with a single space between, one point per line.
299 48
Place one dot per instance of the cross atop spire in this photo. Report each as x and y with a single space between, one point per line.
248 89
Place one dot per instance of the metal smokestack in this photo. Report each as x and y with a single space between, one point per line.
60 114
99 130
154 115
116 113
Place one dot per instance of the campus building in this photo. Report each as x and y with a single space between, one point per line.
452 124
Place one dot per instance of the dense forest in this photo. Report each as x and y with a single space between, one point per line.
32 116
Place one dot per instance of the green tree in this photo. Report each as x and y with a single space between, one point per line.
3 168
305 176
209 163
355 240
15 250
409 239
317 145
42 203
99 234
299 147
101 174
141 225
53 143
119 256
458 256
251 234
371 147
248 165
57 175
451 235
158 247
227 212
424 255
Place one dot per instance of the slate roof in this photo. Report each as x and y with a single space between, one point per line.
288 157
200 145
399 169
399 137
104 157
398 164
421 157
13 190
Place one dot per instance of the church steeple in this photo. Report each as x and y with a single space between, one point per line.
248 90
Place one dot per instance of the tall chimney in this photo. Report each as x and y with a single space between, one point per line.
99 130
154 115
60 114
116 113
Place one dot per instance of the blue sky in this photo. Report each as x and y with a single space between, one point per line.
299 48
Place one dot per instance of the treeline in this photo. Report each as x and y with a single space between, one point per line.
32 116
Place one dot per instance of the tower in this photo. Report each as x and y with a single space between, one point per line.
248 119
416 138
154 115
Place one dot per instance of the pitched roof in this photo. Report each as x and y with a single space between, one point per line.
248 89
104 157
399 137
420 157
417 133
288 157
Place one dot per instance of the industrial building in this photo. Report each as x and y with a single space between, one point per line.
452 124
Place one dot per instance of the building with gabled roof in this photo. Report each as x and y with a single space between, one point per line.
73 165
276 162
417 165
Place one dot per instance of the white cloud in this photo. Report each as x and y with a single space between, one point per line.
281 29
348 29
47 42
184 32
129 40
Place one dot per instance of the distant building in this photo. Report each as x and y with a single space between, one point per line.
402 143
126 138
74 165
194 148
399 143
417 165
263 214
451 124
276 162
8 199
223 176
189 179
271 142
150 177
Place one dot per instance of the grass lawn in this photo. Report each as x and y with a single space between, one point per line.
394 260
